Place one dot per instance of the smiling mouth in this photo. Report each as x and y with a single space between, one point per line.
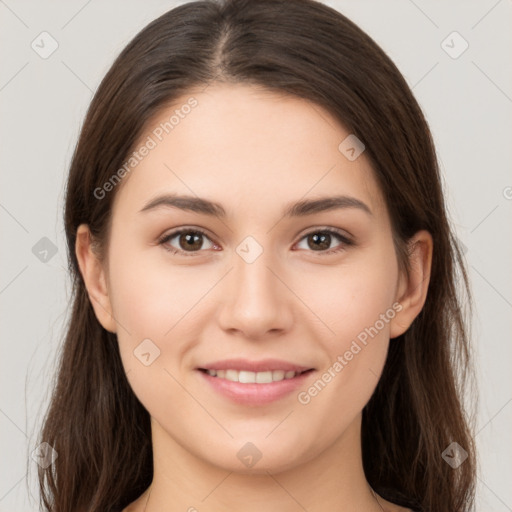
247 377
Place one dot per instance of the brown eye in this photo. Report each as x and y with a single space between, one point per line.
321 240
187 241
192 241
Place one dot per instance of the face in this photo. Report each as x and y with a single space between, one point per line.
296 303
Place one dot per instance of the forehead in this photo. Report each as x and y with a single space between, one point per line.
248 148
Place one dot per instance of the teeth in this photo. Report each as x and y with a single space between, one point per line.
231 375
243 377
263 377
246 377
278 375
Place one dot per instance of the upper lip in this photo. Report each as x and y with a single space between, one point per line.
254 366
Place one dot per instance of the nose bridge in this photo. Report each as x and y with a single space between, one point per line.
256 301
253 281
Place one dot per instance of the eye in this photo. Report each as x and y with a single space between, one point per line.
320 241
189 241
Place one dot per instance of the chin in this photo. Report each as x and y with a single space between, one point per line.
248 459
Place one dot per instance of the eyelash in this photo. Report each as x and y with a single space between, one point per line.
345 242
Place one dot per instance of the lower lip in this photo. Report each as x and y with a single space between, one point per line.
255 394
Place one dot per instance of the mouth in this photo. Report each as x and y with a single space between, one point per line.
254 383
248 377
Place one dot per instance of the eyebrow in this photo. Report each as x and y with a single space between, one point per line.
297 209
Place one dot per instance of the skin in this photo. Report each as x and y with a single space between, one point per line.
253 151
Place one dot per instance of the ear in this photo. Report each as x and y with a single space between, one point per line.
94 277
412 290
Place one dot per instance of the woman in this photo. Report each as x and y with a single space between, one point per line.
265 313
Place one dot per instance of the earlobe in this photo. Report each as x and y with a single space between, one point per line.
94 277
413 292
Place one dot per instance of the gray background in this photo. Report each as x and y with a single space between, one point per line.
467 101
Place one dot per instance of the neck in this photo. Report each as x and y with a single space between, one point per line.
333 480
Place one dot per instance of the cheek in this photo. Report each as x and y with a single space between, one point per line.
357 306
149 296
154 304
351 299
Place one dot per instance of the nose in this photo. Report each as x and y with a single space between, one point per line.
257 303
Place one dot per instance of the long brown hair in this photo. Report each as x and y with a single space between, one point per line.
96 424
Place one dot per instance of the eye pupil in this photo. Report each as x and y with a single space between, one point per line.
322 238
191 241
